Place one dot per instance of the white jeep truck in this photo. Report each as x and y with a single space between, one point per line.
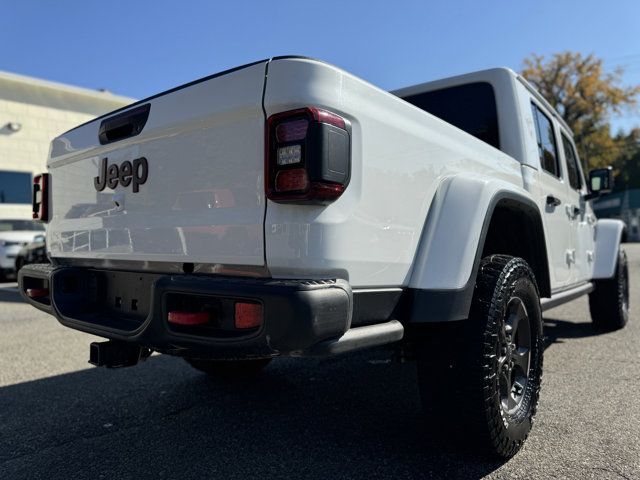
287 207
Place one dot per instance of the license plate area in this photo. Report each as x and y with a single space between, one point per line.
118 300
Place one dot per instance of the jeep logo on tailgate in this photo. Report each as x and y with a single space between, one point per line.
135 173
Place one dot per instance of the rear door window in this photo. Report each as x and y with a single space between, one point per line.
573 170
547 148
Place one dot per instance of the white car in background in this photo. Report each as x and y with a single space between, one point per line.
15 234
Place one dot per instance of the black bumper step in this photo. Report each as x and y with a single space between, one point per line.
297 313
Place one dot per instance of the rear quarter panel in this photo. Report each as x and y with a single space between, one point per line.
400 157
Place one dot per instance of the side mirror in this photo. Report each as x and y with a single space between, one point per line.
600 182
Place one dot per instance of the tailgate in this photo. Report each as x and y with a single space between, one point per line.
174 178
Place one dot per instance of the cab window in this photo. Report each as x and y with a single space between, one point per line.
547 149
573 170
470 107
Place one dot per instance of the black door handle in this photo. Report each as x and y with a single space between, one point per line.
124 125
553 201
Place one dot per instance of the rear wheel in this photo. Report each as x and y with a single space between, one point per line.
480 378
609 302
229 368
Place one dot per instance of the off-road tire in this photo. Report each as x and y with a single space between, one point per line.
229 369
463 393
609 301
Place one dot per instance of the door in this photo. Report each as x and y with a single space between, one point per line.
555 200
582 220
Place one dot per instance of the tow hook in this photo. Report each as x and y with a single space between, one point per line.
112 354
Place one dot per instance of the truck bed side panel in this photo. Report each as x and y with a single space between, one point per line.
400 155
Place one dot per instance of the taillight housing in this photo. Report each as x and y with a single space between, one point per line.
40 199
308 156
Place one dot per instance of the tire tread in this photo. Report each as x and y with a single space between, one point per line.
476 424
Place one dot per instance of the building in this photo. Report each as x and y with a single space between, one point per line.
624 206
32 113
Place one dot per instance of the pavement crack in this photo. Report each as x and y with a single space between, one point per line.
611 470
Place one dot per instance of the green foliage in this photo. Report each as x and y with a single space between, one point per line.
627 160
586 96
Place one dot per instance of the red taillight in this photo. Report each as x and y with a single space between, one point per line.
248 315
40 199
328 117
188 318
292 131
308 156
293 180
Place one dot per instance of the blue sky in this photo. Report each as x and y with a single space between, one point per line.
138 48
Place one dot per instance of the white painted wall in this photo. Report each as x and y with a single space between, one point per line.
43 110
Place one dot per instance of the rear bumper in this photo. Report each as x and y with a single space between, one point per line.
298 314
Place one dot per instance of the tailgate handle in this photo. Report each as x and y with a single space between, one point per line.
124 125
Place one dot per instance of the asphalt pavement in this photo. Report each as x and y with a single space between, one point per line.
353 416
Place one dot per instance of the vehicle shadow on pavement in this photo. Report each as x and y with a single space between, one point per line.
13 296
557 331
355 416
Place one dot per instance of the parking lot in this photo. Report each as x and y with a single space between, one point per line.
354 416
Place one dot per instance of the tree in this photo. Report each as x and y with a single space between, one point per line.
628 160
585 96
